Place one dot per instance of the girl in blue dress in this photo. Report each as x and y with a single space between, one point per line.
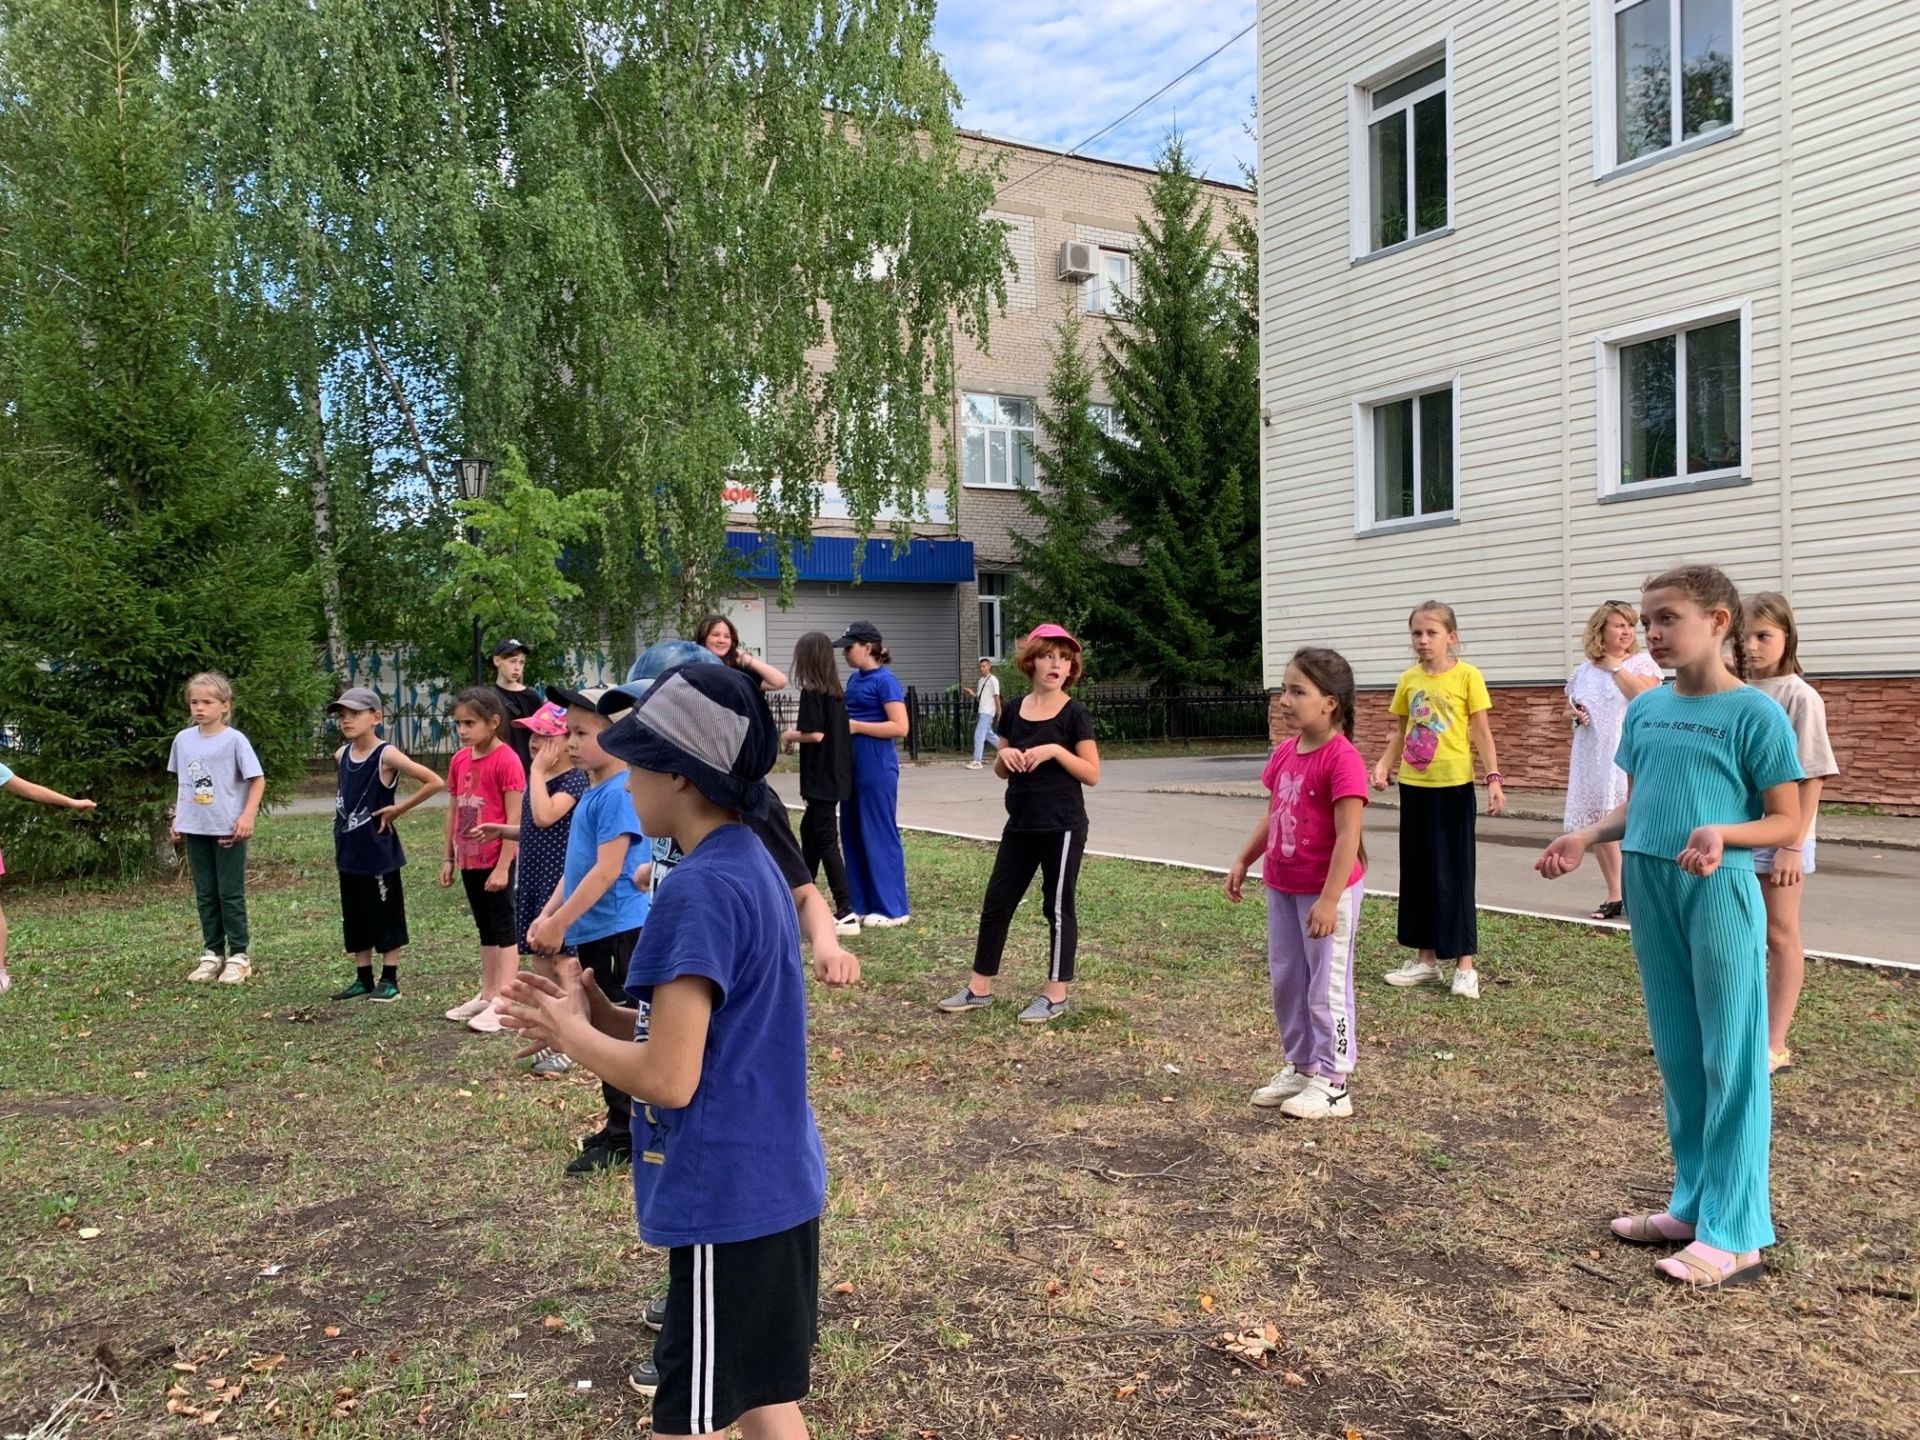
877 716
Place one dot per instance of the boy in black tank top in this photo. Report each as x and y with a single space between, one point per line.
366 847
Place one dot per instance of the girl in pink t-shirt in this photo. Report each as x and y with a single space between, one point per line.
1313 861
485 786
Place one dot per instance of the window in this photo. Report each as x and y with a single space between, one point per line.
1669 76
1112 283
998 440
1673 403
1402 180
994 589
1405 452
1106 419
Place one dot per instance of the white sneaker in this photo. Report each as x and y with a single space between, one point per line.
487 1021
883 922
1466 983
1414 972
208 969
1284 1086
1319 1099
238 967
460 1014
973 765
847 924
6 982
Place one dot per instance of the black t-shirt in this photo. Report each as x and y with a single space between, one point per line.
519 705
826 769
1047 798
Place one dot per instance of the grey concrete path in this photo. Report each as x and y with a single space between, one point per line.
1863 903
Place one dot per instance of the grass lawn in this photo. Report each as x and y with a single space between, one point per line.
322 1220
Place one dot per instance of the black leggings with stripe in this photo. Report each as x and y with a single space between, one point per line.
1056 855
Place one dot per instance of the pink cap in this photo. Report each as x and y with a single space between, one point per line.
1053 632
549 720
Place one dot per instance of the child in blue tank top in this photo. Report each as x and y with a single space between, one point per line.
1713 768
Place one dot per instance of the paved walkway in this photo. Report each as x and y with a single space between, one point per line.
1863 904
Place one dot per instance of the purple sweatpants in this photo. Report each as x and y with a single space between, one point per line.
1313 983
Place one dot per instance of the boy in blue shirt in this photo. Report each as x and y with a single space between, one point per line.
730 1177
600 905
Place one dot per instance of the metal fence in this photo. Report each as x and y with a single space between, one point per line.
943 720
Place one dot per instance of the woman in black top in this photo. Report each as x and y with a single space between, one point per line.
825 744
1048 758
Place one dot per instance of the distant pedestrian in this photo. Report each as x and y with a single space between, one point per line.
12 784
488 786
1313 863
1716 777
717 633
1048 758
986 723
518 699
366 846
1616 669
1773 666
221 784
869 824
825 744
1440 717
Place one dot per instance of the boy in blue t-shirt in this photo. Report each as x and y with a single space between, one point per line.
732 1179
600 904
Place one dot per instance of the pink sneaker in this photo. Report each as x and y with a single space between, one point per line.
487 1021
460 1014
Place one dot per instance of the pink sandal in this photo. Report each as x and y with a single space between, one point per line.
1696 1271
1645 1229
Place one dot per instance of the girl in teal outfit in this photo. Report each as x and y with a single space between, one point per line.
1713 770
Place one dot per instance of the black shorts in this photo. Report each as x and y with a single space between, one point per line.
740 1329
373 913
492 909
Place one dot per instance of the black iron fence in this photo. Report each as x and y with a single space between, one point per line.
943 720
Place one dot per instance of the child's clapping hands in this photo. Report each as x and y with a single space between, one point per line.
549 1013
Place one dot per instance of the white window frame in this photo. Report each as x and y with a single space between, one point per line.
1606 108
1360 118
1607 347
1013 434
1365 521
1093 295
991 639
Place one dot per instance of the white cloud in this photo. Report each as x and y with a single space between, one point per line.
1055 71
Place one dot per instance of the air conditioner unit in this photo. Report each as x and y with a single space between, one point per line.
1076 260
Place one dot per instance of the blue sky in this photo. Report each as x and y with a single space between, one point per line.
1054 71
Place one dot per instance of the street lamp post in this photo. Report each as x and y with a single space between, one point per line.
473 475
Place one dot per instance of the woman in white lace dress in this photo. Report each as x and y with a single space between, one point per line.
1616 670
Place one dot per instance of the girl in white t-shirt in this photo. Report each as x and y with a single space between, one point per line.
1616 669
12 784
1773 664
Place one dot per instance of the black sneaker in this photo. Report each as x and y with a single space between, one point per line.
644 1378
655 1315
600 1153
358 990
385 990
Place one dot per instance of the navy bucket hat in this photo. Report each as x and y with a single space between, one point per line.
708 723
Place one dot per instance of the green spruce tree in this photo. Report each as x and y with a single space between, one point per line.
145 537
1062 574
1182 479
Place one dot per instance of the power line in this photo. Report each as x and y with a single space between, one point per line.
1199 64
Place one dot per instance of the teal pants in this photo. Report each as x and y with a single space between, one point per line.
1701 943
220 891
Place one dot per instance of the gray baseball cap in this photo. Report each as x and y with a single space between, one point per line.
359 697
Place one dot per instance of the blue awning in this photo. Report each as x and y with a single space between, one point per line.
830 557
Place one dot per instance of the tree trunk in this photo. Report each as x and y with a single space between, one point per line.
320 485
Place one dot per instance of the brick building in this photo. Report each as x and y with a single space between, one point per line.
1072 224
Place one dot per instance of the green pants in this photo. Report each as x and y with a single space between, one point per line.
1701 943
220 890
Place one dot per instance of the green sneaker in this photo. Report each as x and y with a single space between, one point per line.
385 990
358 990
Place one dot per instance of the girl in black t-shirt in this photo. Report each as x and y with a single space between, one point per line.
825 744
1048 758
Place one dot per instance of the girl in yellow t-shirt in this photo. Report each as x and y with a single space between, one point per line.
1440 717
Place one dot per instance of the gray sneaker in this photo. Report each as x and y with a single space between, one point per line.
1042 1010
552 1062
965 999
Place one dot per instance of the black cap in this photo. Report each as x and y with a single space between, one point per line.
510 647
860 632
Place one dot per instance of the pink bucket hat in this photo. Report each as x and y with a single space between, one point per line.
1052 632
549 720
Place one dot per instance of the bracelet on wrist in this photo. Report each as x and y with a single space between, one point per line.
1494 777
1795 848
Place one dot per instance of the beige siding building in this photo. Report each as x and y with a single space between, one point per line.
1558 293
1072 225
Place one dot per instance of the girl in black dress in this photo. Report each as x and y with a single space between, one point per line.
825 744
